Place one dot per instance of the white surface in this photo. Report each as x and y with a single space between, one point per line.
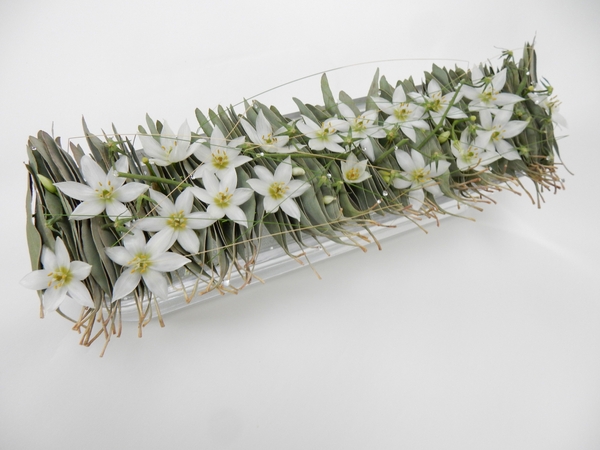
478 335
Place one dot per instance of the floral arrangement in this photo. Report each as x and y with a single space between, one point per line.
137 215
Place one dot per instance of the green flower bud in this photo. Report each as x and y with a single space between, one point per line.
47 183
443 137
328 199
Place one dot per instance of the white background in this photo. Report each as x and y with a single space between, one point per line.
478 335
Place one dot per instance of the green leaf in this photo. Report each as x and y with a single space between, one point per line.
328 99
34 240
373 92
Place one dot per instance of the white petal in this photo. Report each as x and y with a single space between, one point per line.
38 280
80 270
117 210
77 191
78 292
260 186
151 223
126 283
168 262
250 131
290 207
416 198
92 172
405 161
270 204
160 242
157 283
263 127
241 196
130 191
53 298
264 174
216 212
297 188
236 214
201 194
88 209
283 172
151 147
120 255
199 220
62 256
188 239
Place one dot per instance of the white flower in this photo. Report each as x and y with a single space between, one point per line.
472 154
488 95
278 188
418 176
222 197
147 261
171 148
549 103
324 136
60 277
361 127
353 170
407 115
264 137
177 221
102 192
502 128
221 157
437 104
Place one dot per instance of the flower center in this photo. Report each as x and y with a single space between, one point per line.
359 125
177 221
435 104
220 160
353 174
269 139
223 199
105 192
497 135
419 176
170 149
402 112
325 131
488 96
141 263
60 277
277 190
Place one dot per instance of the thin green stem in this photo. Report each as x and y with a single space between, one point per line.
154 179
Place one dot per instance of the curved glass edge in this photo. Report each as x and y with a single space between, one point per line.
272 261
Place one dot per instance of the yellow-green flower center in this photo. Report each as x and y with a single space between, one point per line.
220 160
105 192
325 131
170 148
419 176
278 190
488 96
177 221
223 199
402 112
60 277
141 263
359 126
269 139
353 174
435 104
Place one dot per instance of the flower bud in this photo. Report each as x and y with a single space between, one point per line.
328 199
47 183
298 171
443 137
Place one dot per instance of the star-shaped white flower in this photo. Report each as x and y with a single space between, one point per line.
418 176
278 188
361 127
104 191
176 220
353 170
220 156
486 94
223 197
472 154
265 138
501 128
60 277
144 261
437 104
325 136
542 96
407 116
169 149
